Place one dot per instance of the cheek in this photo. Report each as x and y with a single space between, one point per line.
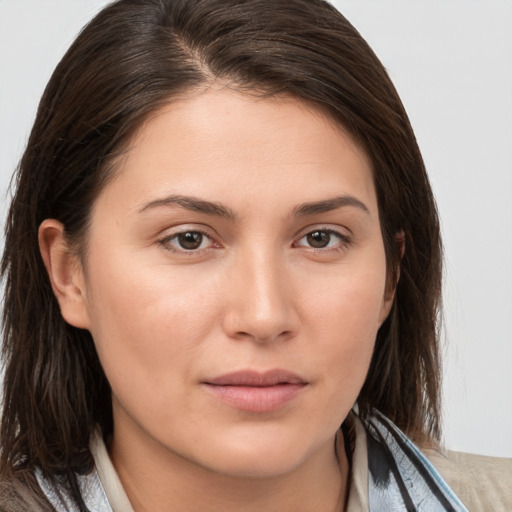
148 324
349 301
344 316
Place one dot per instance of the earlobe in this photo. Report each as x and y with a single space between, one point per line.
65 273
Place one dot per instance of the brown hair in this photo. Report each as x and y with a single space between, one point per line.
133 57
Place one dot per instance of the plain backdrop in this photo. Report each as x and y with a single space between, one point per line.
451 61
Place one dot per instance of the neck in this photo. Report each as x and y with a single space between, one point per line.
156 479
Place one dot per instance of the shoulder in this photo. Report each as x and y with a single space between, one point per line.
482 483
21 495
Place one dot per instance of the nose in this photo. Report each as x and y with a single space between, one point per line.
260 302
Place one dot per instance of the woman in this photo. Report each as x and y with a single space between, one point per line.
223 246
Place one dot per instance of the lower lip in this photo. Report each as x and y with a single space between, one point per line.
256 399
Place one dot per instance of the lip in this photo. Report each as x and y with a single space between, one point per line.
254 391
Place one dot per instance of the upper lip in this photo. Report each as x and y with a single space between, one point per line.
256 378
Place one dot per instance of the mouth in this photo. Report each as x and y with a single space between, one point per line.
253 391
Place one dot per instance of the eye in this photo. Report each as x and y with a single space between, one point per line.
188 241
323 239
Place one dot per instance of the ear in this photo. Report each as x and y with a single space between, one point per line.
392 281
387 303
65 272
400 241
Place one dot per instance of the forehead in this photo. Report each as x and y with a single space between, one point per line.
223 140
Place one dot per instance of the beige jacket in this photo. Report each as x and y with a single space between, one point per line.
481 483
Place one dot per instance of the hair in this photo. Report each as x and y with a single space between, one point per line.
132 58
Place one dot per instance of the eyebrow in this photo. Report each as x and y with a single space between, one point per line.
191 203
212 208
328 205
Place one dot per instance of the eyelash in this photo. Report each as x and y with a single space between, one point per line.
344 241
166 242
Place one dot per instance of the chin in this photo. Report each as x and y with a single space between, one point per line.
263 456
257 465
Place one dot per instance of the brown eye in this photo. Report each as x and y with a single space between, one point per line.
318 239
189 240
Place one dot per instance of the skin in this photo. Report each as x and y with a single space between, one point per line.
255 294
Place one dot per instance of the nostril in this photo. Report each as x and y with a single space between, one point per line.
270 337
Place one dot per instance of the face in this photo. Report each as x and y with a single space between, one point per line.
234 282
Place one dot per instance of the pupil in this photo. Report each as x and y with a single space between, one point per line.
190 240
318 239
